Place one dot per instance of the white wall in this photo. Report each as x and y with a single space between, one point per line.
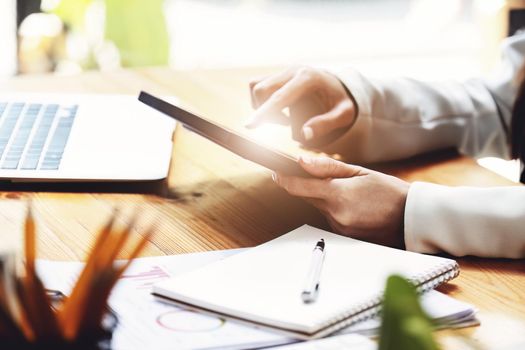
7 38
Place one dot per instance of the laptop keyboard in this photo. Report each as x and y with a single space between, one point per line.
34 136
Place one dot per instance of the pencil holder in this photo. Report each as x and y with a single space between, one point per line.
32 317
99 339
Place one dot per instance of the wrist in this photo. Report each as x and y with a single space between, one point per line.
403 188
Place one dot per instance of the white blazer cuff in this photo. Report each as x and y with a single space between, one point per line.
466 220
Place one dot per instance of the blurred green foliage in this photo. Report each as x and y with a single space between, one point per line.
72 12
404 323
136 27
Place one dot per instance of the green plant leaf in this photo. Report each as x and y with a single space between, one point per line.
138 29
404 323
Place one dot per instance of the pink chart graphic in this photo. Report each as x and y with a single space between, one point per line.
144 280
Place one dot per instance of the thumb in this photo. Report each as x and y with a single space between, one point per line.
324 167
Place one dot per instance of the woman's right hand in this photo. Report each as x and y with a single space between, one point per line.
272 94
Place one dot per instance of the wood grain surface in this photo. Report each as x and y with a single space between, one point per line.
213 199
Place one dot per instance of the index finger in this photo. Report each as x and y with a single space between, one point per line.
285 96
262 88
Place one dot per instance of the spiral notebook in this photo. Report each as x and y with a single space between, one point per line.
263 285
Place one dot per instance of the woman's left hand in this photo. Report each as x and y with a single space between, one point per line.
356 201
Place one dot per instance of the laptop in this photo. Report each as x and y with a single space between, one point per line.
82 138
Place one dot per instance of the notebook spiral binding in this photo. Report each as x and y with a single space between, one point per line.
424 282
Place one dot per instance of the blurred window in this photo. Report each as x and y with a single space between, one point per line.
421 38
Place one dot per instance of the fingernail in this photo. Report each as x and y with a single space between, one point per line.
251 122
308 133
275 178
306 159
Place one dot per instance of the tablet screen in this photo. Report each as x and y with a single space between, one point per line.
240 145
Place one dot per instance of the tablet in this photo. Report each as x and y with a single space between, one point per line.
242 146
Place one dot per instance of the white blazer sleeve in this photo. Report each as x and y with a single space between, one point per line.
461 221
399 118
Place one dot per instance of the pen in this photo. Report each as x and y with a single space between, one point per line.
311 286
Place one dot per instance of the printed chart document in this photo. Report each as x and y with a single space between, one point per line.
146 323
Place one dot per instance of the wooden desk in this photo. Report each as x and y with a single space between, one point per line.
216 200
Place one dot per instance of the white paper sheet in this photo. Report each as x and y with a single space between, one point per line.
346 341
147 323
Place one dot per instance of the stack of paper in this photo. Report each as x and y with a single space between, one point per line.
145 322
445 311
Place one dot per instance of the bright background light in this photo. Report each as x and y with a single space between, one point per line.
421 38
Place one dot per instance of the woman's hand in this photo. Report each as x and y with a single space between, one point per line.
357 202
272 94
